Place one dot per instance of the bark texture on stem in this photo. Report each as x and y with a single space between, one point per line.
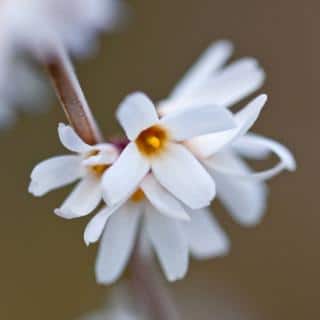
71 96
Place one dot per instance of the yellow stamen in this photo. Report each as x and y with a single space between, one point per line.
153 141
137 196
99 169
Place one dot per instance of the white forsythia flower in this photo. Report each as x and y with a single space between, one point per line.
165 225
88 164
37 24
242 191
157 145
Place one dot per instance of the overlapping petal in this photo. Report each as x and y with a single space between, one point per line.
97 224
170 243
192 122
180 173
162 199
84 198
71 140
117 243
205 236
209 62
124 176
207 145
244 198
227 163
136 113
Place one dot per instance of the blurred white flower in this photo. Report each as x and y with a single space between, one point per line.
165 225
156 145
88 164
240 189
36 27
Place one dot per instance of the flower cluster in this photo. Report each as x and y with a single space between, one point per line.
178 155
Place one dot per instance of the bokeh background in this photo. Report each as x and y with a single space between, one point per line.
272 271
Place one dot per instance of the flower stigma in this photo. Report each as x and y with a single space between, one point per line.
152 141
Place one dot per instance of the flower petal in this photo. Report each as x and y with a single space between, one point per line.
222 164
249 149
117 243
169 242
162 199
180 173
82 200
244 198
107 155
232 84
123 177
210 61
207 145
136 113
192 122
54 173
205 236
97 224
71 140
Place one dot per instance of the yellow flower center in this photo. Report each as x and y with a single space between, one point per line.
152 141
137 196
98 169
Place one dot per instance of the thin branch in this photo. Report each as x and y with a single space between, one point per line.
151 293
71 96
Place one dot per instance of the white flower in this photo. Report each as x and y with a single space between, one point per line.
88 165
165 226
240 189
38 27
38 24
27 95
156 145
208 82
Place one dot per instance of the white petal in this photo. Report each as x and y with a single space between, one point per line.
162 199
107 155
169 242
222 164
117 243
207 145
97 224
244 198
180 173
205 236
136 113
71 140
232 84
83 199
192 122
123 177
210 61
54 173
249 149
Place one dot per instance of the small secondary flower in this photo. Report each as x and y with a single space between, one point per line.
87 165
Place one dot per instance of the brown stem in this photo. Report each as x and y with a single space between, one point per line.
71 96
152 295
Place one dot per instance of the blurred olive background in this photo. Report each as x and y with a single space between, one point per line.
272 271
